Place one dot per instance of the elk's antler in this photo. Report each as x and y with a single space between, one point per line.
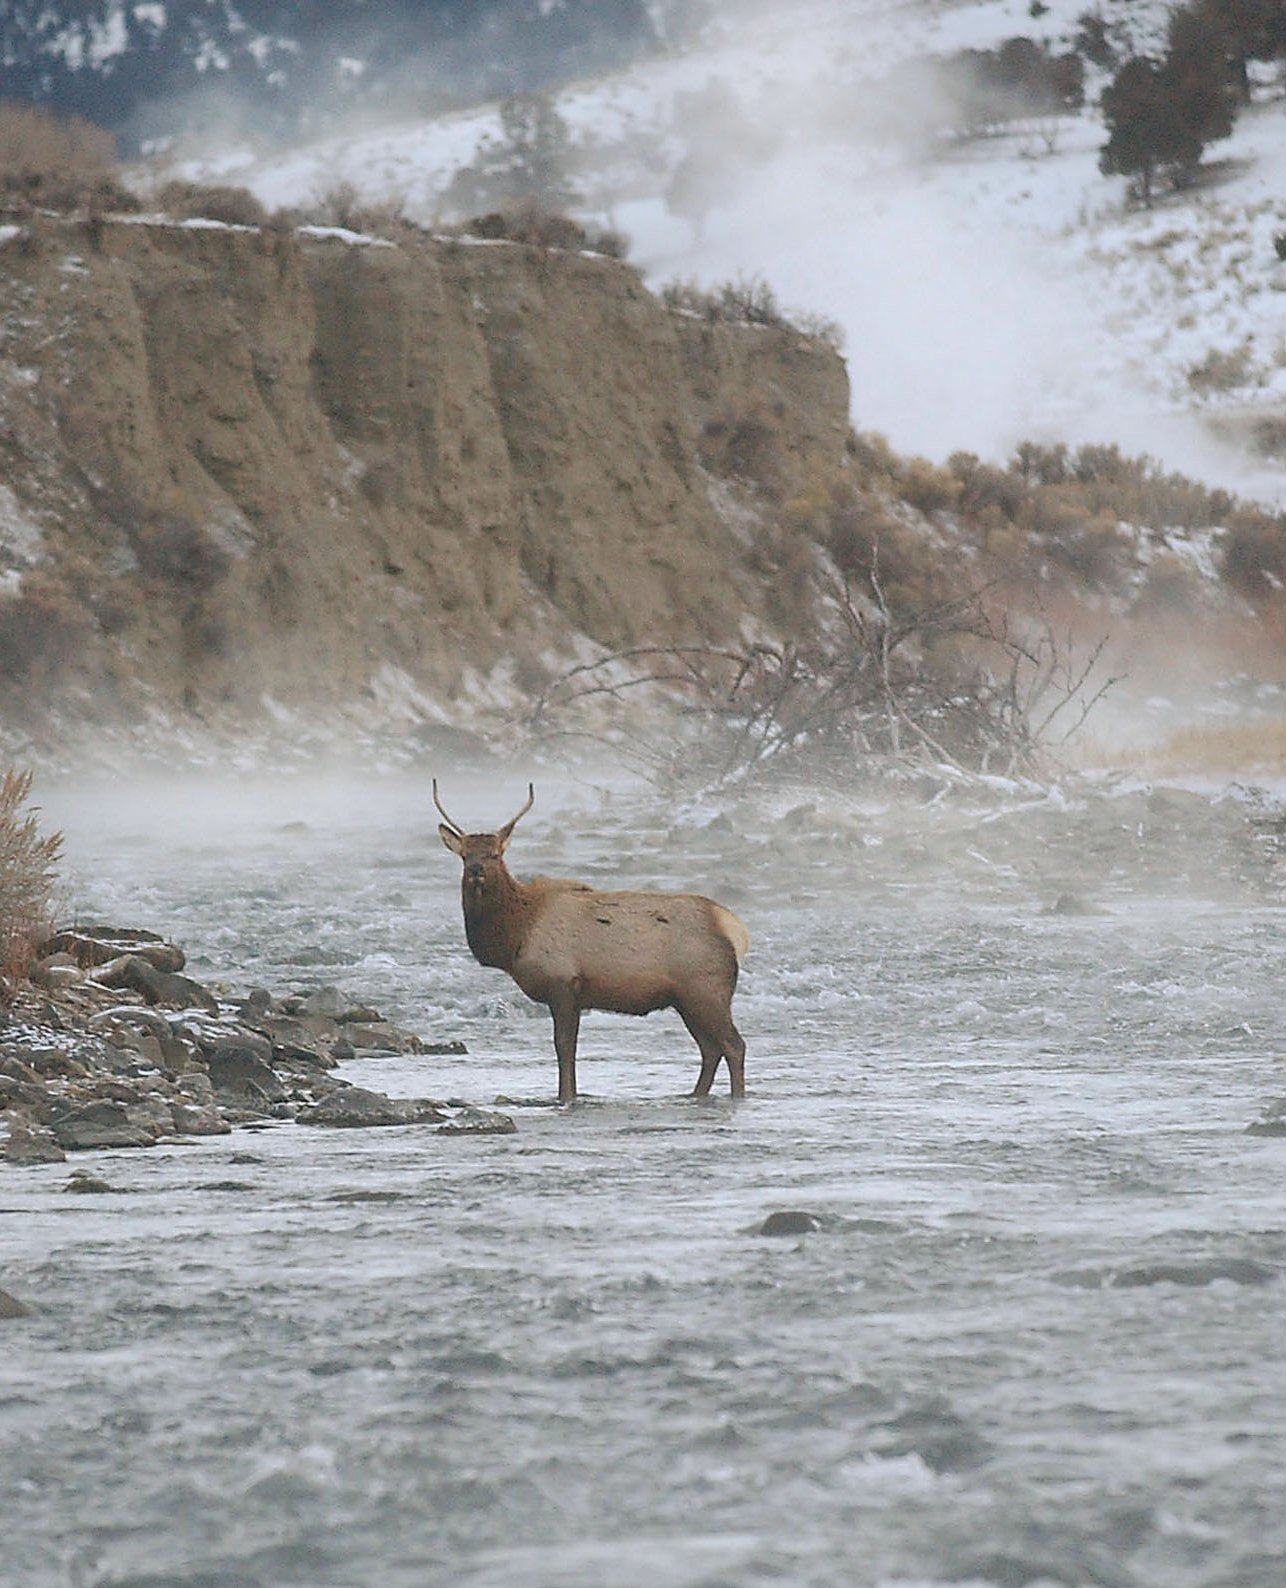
509 826
451 823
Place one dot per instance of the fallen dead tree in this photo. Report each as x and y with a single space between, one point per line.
961 685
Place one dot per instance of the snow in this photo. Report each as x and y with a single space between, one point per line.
998 292
21 538
341 234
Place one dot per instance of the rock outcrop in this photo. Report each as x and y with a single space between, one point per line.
246 470
89 1061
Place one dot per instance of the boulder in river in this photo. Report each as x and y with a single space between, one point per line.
197 1119
11 1307
239 1070
383 1036
29 1144
100 1125
355 1107
472 1121
790 1221
82 1183
134 972
91 946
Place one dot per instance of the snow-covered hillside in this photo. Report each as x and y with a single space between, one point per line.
997 291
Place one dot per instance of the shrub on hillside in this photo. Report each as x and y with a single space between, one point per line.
747 447
927 487
871 454
544 228
925 100
1093 39
749 301
1222 370
1253 558
745 301
178 552
983 487
344 205
1134 489
1089 543
56 163
43 626
872 544
27 859
233 206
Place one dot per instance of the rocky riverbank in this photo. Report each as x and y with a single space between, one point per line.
112 1045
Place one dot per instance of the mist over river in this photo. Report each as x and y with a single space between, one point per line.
1003 1048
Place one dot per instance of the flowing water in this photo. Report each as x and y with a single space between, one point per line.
1034 1338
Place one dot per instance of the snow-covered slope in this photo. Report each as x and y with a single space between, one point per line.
999 290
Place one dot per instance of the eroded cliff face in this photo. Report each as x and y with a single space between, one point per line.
245 470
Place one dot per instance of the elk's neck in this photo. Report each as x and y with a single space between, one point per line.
496 922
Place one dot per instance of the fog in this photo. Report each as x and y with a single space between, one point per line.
1008 1130
955 270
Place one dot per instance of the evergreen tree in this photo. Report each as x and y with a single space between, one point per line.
1199 86
1248 30
529 164
1161 117
1138 124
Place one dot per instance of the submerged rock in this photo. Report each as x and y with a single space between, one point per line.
100 1125
472 1121
790 1221
82 1183
11 1307
1070 904
29 1144
933 1430
355 1107
1195 1272
1272 1121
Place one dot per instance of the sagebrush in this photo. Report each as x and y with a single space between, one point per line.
27 878
58 163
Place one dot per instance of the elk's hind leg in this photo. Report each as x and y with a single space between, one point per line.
712 1051
734 1050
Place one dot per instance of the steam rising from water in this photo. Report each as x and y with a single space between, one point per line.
969 323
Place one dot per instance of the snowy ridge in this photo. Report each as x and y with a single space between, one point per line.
1000 291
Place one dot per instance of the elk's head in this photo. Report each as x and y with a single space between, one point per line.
482 853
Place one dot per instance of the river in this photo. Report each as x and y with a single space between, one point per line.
1003 1048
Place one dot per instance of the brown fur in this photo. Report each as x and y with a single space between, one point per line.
573 948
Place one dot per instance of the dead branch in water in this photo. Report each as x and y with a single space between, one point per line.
950 686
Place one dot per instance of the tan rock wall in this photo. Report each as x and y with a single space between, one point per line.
261 464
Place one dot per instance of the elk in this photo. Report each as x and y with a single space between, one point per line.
572 948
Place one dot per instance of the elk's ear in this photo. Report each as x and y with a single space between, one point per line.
453 841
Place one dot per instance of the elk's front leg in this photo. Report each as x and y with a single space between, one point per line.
566 1015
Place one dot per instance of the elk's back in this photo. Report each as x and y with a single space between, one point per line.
631 952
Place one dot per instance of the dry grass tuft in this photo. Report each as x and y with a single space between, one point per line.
56 162
27 860
1225 748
